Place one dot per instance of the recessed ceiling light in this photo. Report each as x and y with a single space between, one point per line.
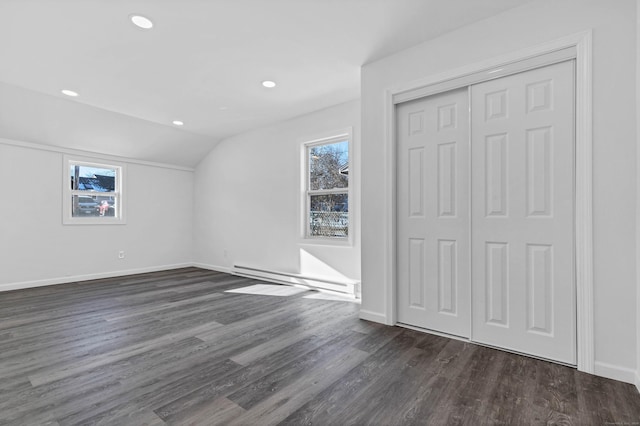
141 21
178 122
69 92
269 84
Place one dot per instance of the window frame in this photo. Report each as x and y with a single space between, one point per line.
68 193
306 192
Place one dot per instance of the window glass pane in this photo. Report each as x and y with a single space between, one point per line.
86 178
329 166
101 206
82 206
329 215
106 206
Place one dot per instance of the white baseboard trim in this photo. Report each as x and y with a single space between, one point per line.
615 372
373 316
637 381
343 286
75 278
216 268
265 277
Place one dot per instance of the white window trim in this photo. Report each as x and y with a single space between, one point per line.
67 192
323 139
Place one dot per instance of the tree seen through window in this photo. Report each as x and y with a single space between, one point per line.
328 189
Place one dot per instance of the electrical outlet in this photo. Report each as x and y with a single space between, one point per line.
121 254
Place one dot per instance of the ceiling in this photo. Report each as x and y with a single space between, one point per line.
202 63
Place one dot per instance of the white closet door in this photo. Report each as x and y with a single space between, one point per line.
522 229
433 213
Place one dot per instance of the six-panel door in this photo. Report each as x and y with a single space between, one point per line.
522 217
433 213
485 216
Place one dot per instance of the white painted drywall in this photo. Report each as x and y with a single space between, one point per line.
614 149
247 201
31 116
37 249
637 381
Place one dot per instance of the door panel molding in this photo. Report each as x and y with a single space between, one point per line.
582 43
535 145
433 234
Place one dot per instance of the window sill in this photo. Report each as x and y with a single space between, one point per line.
319 241
92 221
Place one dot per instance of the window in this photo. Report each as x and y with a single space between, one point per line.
92 192
327 188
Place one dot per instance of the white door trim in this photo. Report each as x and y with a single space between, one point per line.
584 192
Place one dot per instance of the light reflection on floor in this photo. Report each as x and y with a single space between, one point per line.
331 296
286 290
269 290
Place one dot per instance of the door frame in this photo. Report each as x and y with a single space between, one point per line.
582 43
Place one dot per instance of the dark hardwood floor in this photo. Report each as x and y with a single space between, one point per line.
195 347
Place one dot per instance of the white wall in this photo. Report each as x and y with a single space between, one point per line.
35 117
638 198
247 199
36 249
614 149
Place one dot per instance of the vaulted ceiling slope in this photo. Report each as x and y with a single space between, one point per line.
202 63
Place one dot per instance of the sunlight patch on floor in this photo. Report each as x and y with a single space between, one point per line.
269 290
328 296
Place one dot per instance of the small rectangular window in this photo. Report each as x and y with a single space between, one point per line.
93 192
327 188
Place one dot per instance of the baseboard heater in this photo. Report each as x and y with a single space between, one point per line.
347 286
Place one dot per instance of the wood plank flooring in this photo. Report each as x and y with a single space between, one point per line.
196 347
